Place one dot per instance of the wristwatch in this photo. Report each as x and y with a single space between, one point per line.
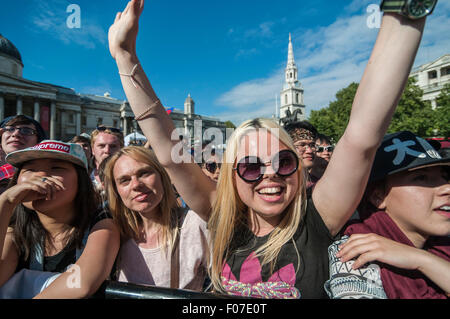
413 9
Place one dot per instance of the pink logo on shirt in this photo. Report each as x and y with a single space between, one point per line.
280 285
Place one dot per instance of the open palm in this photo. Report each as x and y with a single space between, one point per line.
123 32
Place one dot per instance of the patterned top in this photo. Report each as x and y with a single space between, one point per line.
347 283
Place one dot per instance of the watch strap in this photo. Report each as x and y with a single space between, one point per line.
392 5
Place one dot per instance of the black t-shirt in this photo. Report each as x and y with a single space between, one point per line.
300 270
66 257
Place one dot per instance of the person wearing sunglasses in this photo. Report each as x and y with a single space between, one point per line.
211 166
17 133
268 240
105 141
324 149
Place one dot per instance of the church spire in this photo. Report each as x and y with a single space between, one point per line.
291 61
291 72
291 96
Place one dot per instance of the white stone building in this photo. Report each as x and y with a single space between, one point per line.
64 113
431 77
291 96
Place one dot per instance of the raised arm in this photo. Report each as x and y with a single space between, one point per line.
197 190
339 191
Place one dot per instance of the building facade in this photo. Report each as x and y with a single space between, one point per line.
431 77
64 113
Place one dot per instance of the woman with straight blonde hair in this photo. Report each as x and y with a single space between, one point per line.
156 233
267 239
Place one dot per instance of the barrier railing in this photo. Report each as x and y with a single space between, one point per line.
121 290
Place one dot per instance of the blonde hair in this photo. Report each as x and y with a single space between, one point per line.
229 211
129 221
107 130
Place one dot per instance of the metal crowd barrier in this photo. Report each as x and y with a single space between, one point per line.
122 290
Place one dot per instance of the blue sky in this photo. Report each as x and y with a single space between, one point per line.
229 55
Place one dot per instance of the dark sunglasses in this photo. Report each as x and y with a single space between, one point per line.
22 130
212 166
252 168
112 129
320 149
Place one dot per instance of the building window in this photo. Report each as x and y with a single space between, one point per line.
290 75
445 71
15 70
285 99
83 120
70 118
432 74
115 123
99 121
296 98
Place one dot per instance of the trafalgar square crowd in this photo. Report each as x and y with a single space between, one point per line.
282 212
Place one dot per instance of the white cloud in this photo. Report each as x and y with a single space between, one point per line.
357 6
51 17
255 98
436 39
329 59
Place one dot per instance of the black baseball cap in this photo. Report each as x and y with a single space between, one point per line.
403 151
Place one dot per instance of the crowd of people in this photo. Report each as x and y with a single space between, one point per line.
283 212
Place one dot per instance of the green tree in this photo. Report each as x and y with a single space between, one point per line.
333 120
442 112
412 113
229 124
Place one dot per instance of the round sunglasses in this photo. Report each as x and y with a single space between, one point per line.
252 168
212 166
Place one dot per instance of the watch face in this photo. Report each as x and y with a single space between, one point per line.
420 8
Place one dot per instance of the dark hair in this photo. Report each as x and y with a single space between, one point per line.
80 139
365 206
323 139
28 230
24 120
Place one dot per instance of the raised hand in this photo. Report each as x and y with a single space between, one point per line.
123 32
